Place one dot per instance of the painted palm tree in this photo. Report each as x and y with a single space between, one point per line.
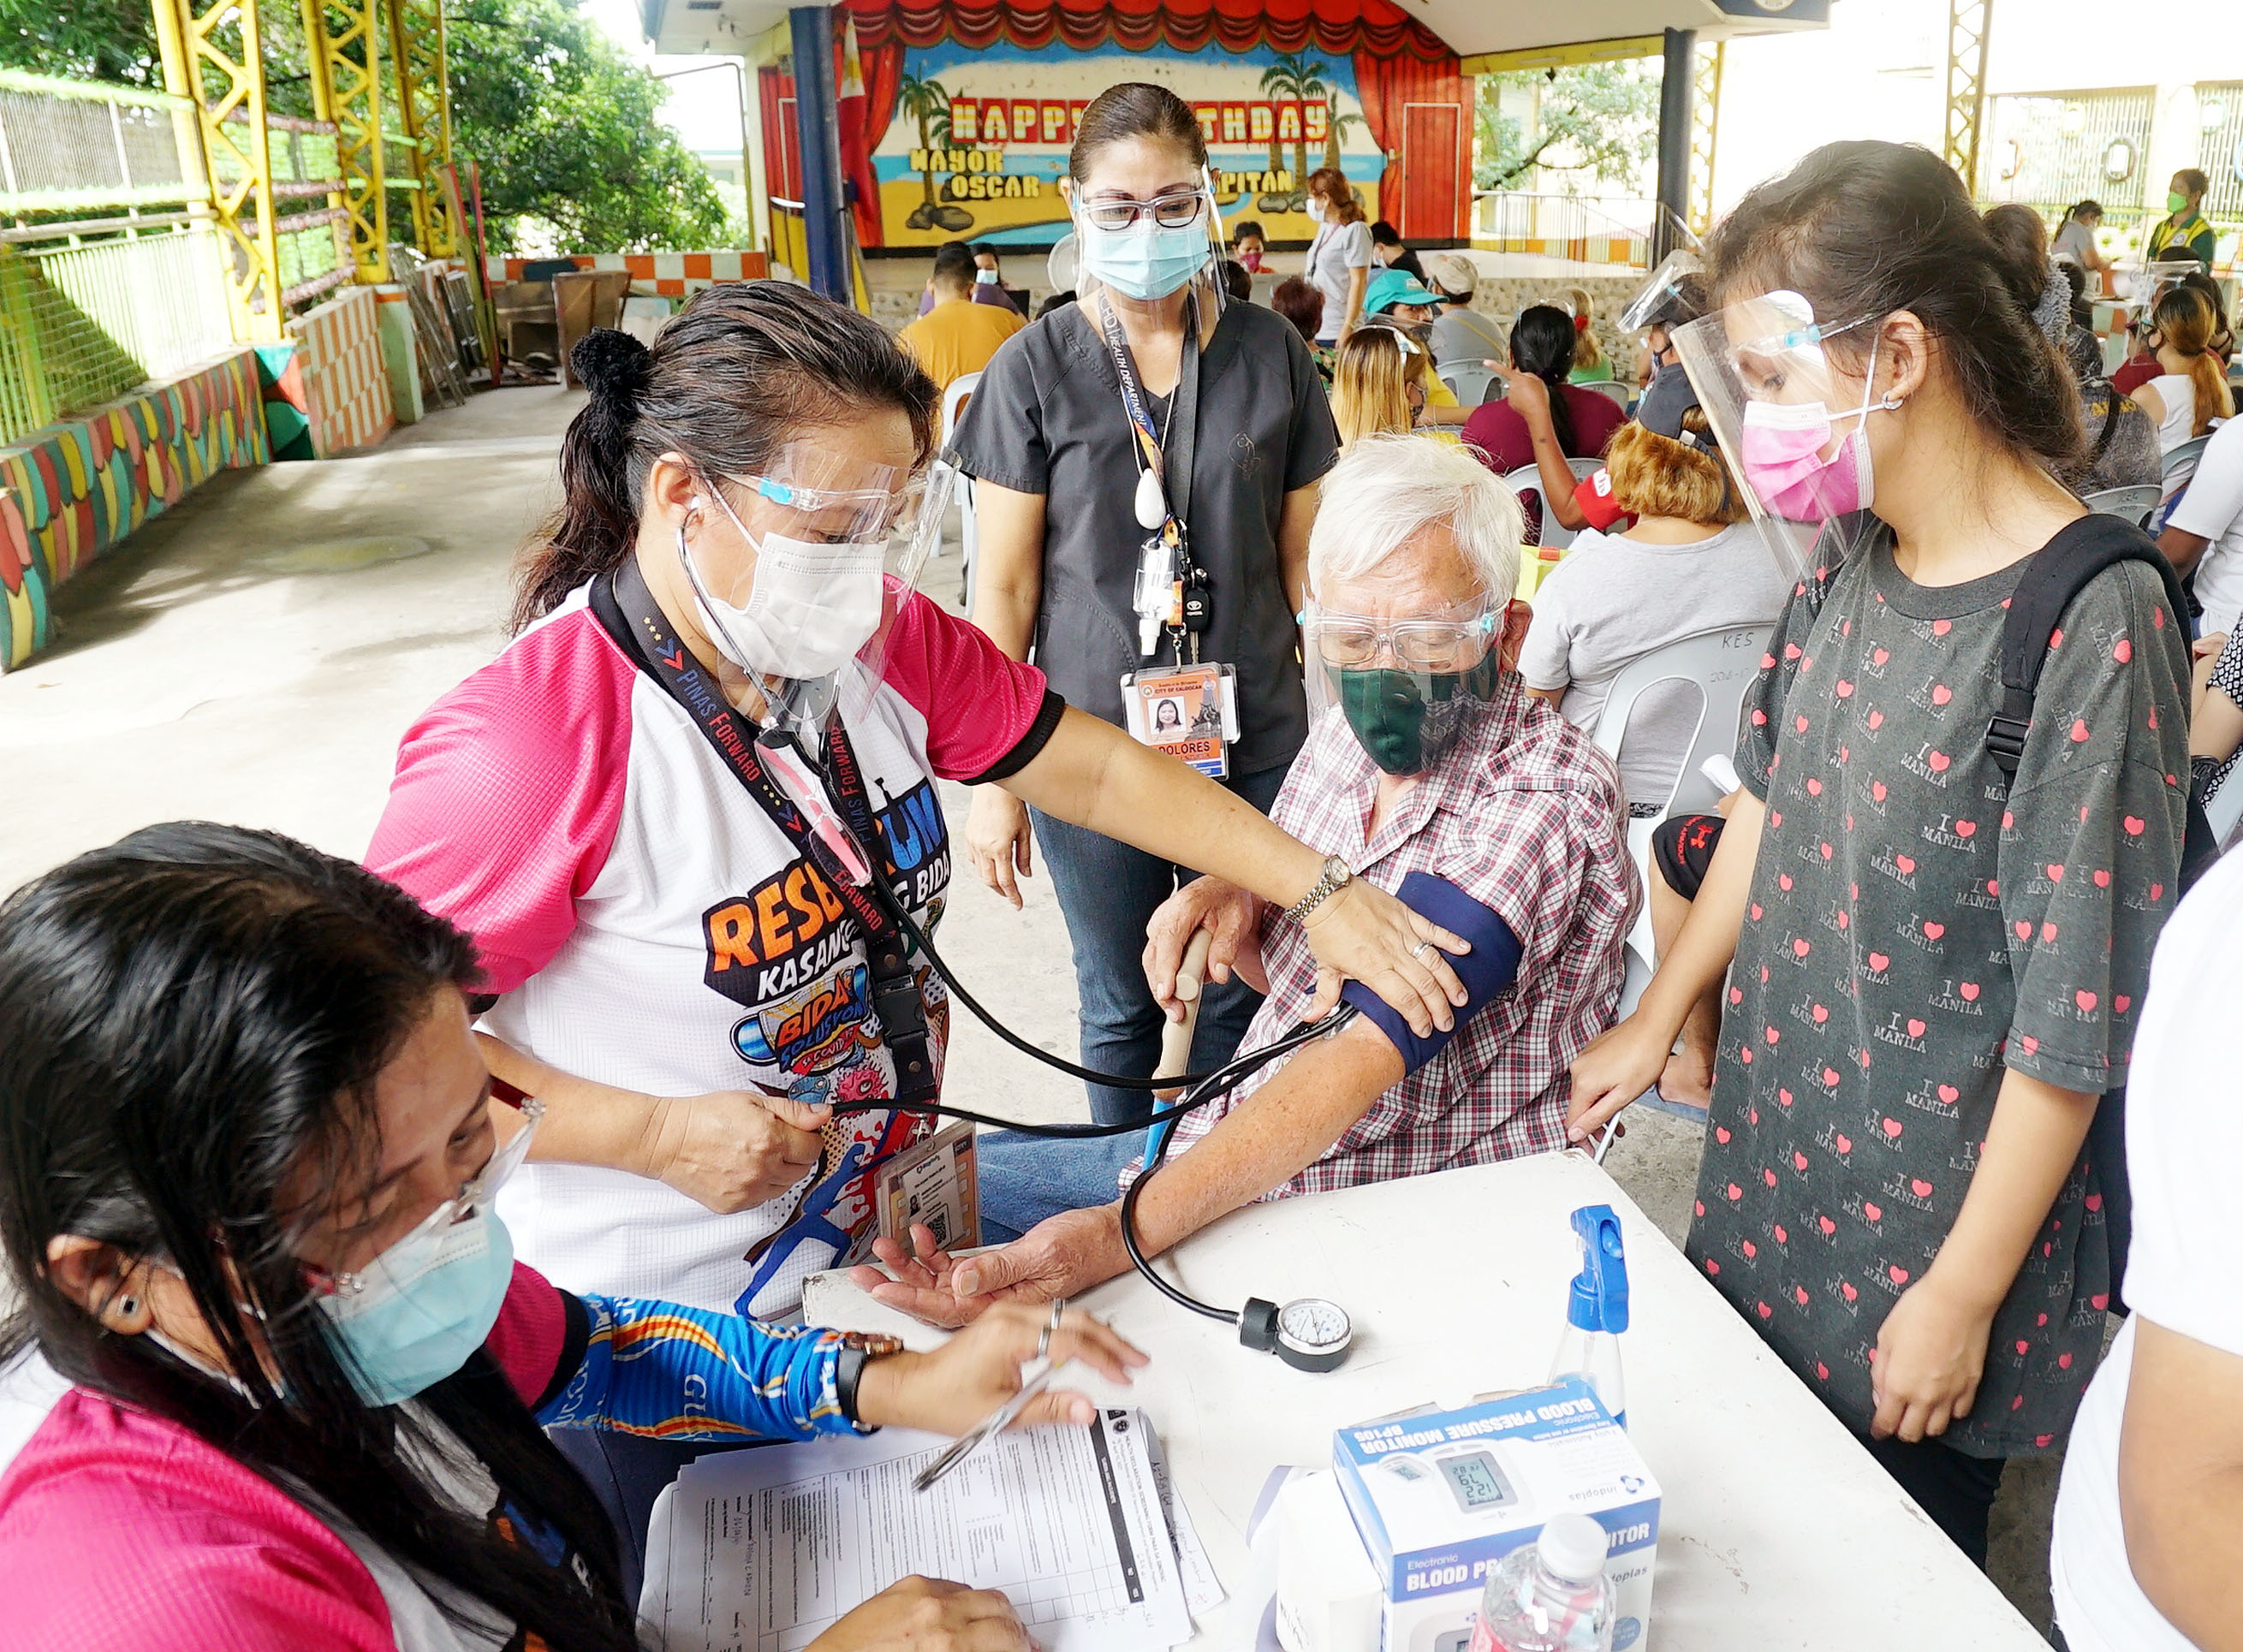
1294 79
1334 131
927 102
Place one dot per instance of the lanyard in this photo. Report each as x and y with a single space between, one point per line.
628 611
1191 603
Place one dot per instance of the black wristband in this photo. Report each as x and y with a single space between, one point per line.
847 1371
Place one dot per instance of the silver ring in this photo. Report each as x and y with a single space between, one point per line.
1421 949
1043 1339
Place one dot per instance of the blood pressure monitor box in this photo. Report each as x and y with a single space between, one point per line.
1440 1497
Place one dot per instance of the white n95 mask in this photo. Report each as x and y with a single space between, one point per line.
811 607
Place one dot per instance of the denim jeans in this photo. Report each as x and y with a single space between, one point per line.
1108 891
1024 1179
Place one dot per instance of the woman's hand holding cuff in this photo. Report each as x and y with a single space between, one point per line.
1362 933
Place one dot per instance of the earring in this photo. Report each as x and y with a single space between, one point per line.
128 1308
1891 402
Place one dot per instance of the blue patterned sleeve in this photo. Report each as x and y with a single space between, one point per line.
668 1372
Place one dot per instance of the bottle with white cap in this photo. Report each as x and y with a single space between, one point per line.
1551 1596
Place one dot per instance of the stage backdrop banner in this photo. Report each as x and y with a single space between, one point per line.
980 136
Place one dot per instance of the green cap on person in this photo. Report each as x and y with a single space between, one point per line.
1391 287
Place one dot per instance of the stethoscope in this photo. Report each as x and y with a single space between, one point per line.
1309 1333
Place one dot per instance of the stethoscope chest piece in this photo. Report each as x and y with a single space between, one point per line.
1308 1334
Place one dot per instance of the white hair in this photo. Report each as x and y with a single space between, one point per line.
1385 489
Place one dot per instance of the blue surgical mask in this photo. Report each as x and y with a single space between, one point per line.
413 1324
411 1317
985 277
1144 261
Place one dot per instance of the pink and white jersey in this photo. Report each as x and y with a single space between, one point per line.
647 926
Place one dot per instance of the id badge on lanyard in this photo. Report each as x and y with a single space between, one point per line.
1188 710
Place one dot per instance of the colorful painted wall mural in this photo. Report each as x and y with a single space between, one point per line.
69 492
981 138
955 116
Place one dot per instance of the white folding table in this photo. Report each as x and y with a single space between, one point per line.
1777 1529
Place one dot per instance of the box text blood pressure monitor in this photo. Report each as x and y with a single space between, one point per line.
1440 1497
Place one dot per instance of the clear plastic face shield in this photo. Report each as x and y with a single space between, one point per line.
1146 249
1660 302
1794 417
1410 679
799 572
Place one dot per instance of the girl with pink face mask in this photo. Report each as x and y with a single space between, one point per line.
1929 970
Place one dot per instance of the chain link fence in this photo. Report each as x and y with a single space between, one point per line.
67 146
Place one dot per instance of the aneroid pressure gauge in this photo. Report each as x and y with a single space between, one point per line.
1308 1334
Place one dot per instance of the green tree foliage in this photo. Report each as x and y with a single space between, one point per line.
111 40
560 119
1597 121
563 125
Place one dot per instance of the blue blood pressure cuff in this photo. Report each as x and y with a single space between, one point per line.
1491 966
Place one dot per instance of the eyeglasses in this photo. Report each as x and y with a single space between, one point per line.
475 1195
1169 211
1352 641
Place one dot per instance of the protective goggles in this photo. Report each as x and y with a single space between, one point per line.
1454 642
1171 211
409 1254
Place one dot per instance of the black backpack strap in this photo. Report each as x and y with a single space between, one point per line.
2053 576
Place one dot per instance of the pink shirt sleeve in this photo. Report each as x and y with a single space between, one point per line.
507 794
531 1331
978 704
120 1530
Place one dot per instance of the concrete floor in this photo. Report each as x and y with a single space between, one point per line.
254 655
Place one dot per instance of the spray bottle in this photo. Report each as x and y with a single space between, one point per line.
1596 1311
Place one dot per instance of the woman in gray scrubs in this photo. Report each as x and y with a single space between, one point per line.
1230 401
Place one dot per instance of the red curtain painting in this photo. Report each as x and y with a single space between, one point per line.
1386 82
1376 28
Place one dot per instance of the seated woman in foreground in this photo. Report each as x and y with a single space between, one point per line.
273 1379
1430 771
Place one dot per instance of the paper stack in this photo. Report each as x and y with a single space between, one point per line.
764 1551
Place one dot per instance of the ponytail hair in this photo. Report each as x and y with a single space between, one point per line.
2186 319
1542 343
1866 228
743 367
1588 354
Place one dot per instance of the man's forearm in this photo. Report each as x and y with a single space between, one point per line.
585 1122
1276 1133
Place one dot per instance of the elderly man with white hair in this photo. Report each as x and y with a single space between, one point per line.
1430 771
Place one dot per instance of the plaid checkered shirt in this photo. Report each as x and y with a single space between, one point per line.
1525 815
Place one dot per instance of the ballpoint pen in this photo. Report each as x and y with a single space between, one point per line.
995 1424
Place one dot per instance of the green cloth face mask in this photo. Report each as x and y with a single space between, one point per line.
2176 202
1406 721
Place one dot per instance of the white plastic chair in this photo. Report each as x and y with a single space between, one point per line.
1723 664
2179 462
1610 390
2135 504
954 407
1527 479
1468 378
2225 811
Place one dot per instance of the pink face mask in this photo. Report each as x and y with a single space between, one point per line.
1781 449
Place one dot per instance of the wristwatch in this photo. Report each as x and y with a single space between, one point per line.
1337 875
859 1349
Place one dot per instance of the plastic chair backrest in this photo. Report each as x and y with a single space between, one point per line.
2226 809
2179 462
1612 390
2132 503
1724 664
953 404
1264 284
1468 379
1528 479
